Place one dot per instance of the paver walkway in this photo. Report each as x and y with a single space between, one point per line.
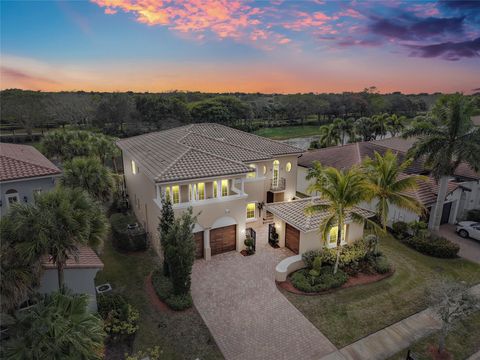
394 338
247 315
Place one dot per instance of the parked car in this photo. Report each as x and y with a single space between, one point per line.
469 229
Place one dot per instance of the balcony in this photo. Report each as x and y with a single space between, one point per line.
278 186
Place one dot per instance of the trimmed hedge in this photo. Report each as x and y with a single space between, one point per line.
304 281
125 239
433 245
350 253
164 290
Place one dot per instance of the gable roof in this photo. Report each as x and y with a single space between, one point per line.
293 213
23 161
199 151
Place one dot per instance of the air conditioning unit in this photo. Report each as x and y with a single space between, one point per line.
132 226
101 289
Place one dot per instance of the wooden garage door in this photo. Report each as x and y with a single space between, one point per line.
223 239
292 238
198 236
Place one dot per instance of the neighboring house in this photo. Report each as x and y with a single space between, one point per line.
223 173
24 171
463 189
300 232
79 275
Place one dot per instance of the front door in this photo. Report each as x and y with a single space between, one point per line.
446 213
292 238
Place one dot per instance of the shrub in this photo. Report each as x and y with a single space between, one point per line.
303 281
433 245
153 353
164 290
120 318
400 229
381 264
124 238
249 244
473 215
309 256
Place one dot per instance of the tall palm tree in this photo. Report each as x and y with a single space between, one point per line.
380 122
389 186
343 128
365 127
342 190
454 140
105 148
395 124
59 327
57 224
329 136
90 175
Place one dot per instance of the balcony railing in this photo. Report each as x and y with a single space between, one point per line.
279 185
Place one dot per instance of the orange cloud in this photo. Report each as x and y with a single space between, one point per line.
305 20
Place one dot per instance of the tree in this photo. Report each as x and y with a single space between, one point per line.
180 251
329 136
365 127
89 174
342 190
444 147
57 224
388 186
58 327
343 128
380 124
104 147
395 124
451 301
113 111
18 277
167 219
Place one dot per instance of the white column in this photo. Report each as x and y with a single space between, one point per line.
207 251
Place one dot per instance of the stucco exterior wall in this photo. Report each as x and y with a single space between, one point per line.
80 281
24 187
302 182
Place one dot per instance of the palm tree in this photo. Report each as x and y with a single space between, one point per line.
104 147
454 140
342 190
365 127
380 126
395 124
59 327
57 224
90 175
388 185
329 136
18 277
343 128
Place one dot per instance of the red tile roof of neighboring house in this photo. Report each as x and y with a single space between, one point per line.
87 259
23 161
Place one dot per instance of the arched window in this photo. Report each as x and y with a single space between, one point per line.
252 174
276 173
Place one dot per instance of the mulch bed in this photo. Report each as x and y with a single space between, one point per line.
153 297
359 279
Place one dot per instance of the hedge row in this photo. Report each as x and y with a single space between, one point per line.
433 245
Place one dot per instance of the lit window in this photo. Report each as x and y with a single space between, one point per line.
215 189
333 235
251 211
264 169
276 173
224 187
134 168
175 194
253 174
201 191
288 167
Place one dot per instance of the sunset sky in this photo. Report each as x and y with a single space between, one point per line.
248 46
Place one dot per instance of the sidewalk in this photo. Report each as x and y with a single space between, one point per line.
394 338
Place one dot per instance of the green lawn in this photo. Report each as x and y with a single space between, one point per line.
287 132
180 335
462 341
347 315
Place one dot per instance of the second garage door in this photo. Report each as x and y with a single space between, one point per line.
223 239
292 238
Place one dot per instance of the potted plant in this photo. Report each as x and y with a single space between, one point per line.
273 236
249 246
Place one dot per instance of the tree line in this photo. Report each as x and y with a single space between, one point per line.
126 114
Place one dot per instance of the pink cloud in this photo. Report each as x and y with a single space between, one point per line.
351 13
424 10
305 20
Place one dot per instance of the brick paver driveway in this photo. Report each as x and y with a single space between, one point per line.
247 315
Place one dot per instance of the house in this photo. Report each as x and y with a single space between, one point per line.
79 275
463 189
24 171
